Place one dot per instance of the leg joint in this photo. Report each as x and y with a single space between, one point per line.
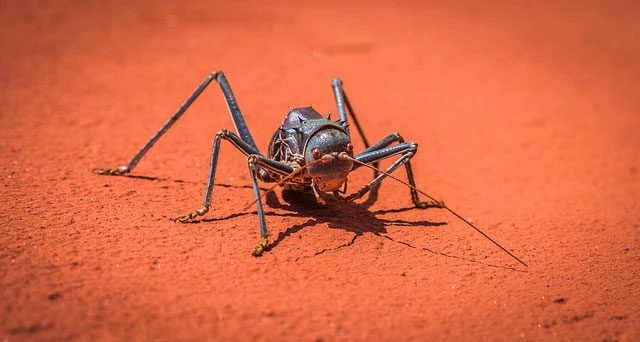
222 133
214 75
252 159
398 137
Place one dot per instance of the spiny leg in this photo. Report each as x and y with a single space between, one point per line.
344 106
264 233
234 110
385 142
258 166
181 110
256 163
407 151
206 203
381 151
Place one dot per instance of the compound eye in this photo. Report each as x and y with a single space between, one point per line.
349 147
316 153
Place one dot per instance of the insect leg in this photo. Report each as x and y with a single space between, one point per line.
256 164
183 108
344 106
245 148
236 115
383 143
407 151
238 120
264 233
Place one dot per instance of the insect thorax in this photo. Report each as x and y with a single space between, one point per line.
287 144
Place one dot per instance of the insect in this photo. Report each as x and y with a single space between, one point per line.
308 152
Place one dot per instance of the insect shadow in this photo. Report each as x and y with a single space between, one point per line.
342 216
308 151
336 215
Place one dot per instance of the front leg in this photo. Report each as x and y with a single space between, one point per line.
253 171
264 233
206 203
407 151
256 164
381 150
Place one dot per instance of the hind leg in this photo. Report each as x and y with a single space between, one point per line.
234 110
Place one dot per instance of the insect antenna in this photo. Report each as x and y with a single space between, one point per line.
443 205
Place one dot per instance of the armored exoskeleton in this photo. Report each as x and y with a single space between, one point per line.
308 152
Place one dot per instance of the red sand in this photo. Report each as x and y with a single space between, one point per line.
527 120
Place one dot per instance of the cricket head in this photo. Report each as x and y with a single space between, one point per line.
326 153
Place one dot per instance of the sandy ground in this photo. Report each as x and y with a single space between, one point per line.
527 118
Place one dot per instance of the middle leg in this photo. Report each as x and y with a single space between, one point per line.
256 163
247 150
213 165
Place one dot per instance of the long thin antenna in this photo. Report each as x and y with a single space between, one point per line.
443 206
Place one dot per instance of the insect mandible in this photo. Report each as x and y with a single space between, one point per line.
308 152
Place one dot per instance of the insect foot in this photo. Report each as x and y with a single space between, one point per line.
429 204
120 170
190 216
260 248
